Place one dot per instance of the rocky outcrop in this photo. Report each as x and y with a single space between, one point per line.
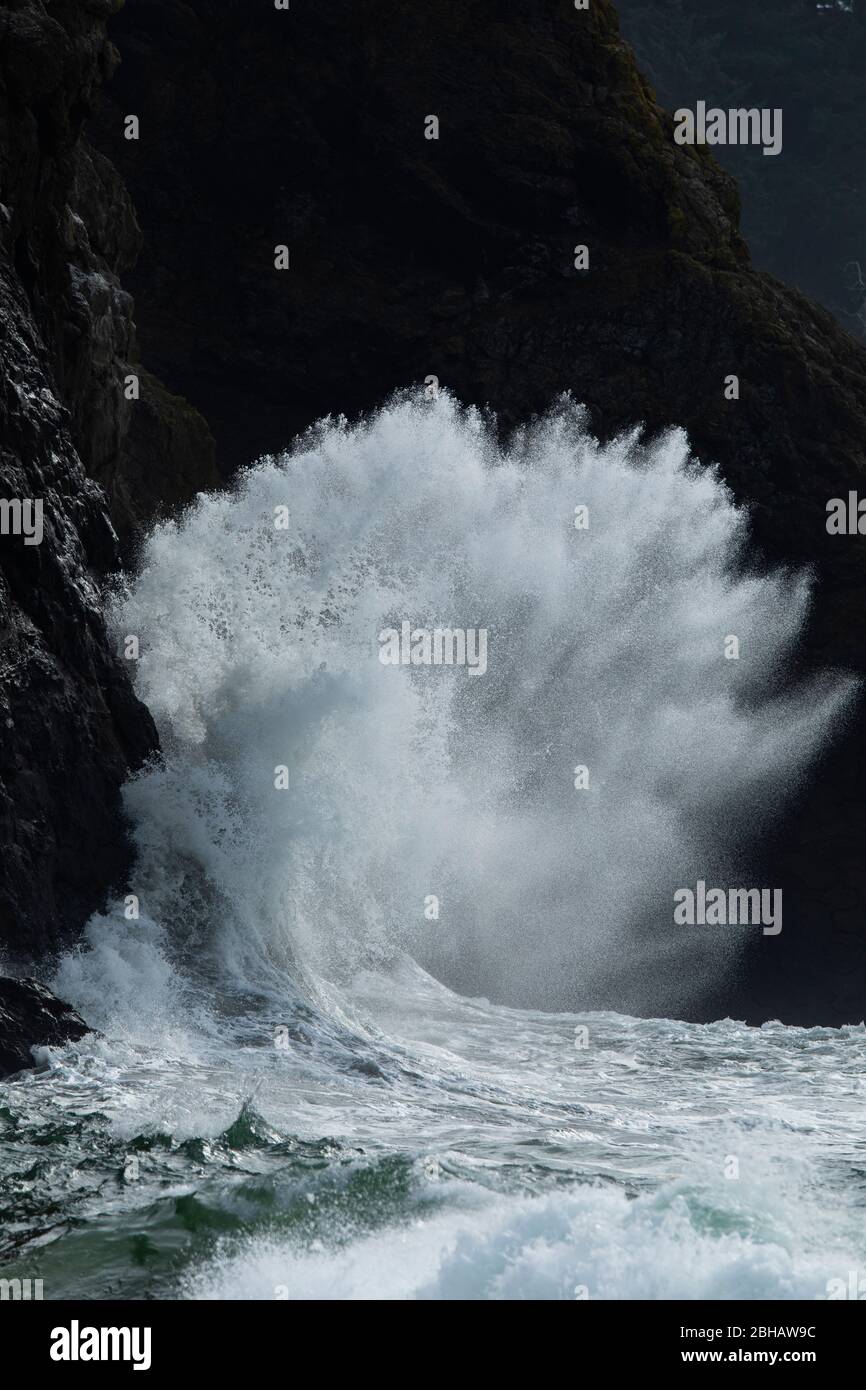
455 257
31 1016
70 726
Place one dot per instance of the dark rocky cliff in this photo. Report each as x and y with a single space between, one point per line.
70 727
455 257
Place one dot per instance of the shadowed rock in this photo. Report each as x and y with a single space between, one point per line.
31 1016
71 728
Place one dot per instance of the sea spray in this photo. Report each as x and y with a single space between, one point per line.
258 615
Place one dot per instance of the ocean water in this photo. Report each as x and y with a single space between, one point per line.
407 1027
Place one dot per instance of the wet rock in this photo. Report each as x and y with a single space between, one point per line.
31 1016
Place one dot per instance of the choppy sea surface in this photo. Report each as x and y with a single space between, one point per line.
439 1148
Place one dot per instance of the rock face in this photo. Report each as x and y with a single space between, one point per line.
455 257
70 727
70 231
803 214
31 1016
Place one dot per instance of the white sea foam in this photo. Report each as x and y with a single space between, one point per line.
589 1243
259 650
